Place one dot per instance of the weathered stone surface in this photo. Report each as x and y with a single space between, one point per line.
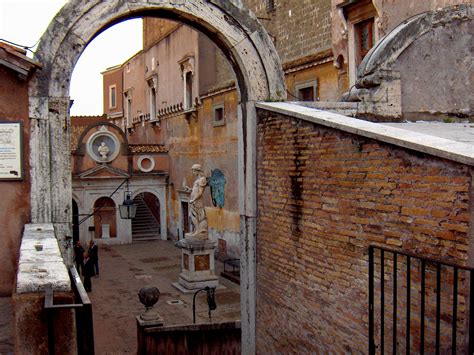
41 262
393 82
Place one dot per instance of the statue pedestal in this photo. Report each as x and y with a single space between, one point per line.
197 266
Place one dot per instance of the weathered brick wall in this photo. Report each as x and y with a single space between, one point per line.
323 197
299 27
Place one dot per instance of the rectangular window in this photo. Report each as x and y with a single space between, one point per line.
112 96
306 91
218 117
364 38
270 5
128 107
188 87
153 103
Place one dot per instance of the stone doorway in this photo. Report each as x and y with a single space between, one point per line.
230 26
146 224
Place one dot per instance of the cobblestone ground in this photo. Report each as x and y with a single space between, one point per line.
124 270
6 339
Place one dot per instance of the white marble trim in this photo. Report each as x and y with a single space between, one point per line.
440 147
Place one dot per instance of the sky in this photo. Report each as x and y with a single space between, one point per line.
24 21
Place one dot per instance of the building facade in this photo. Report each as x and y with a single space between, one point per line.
179 91
15 72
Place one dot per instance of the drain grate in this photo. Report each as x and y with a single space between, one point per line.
173 302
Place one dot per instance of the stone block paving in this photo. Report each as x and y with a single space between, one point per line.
124 270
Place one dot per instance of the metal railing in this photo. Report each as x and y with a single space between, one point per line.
83 314
235 263
462 288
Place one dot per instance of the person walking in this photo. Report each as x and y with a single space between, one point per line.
88 271
94 256
79 257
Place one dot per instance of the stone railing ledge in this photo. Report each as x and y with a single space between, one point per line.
440 147
40 261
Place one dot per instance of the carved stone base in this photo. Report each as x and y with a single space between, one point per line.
158 322
197 266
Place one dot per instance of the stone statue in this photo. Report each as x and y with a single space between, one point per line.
103 150
196 205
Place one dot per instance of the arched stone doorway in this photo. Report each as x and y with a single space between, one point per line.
233 29
146 224
105 220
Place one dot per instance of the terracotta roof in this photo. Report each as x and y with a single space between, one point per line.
15 58
310 59
148 148
76 131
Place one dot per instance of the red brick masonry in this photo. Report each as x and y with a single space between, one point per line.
323 197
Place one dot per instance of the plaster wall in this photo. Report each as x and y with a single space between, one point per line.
110 78
162 162
178 45
214 147
143 133
135 86
325 76
15 201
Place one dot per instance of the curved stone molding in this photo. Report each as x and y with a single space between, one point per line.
94 145
387 51
151 162
248 46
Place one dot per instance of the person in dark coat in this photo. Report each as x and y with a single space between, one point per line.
94 255
79 257
88 272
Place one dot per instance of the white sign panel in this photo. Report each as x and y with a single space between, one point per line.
11 146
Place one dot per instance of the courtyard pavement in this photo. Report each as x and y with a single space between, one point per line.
124 270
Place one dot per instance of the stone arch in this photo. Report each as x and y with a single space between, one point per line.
162 201
229 25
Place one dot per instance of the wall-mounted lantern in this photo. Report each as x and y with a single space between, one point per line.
127 209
